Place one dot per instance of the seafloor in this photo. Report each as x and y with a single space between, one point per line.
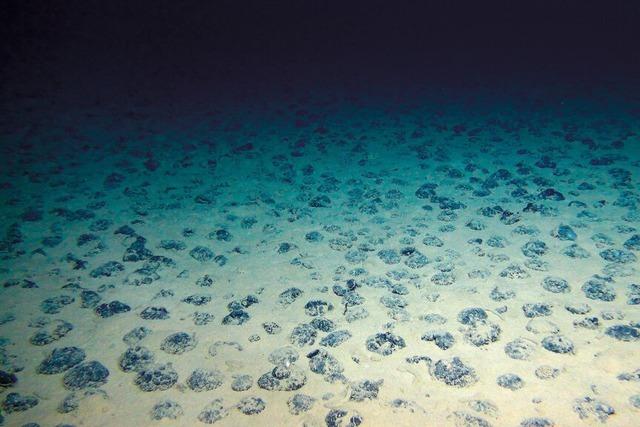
456 258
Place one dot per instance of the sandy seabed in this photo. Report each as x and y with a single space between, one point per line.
321 262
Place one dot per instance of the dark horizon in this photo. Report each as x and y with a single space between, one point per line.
197 46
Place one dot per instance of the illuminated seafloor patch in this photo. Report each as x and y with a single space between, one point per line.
322 263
